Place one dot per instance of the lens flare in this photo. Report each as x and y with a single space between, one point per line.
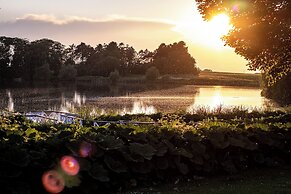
85 149
70 165
235 8
53 182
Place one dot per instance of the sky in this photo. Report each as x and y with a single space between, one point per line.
143 24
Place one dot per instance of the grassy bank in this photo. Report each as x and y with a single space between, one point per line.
118 157
204 78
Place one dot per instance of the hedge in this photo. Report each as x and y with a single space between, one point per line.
116 157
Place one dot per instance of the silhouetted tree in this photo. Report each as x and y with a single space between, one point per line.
174 59
43 73
5 55
41 52
45 59
261 33
68 72
12 52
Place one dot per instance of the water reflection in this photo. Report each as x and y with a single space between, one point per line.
213 97
10 106
68 104
129 101
139 107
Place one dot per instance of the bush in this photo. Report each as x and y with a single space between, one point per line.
114 76
152 73
280 91
68 73
113 156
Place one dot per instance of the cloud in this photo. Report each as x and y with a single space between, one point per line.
139 32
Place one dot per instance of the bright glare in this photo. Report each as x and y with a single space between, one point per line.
220 25
209 34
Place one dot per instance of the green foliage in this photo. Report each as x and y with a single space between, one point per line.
180 146
152 73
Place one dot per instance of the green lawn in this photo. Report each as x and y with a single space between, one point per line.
260 181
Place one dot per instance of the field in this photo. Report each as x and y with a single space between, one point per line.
222 78
204 78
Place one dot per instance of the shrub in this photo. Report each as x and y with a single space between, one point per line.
113 156
152 73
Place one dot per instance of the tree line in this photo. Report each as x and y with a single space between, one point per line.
47 59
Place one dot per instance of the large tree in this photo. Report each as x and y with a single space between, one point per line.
174 59
261 32
12 52
42 52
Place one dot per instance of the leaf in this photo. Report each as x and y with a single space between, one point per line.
183 168
30 131
162 163
218 140
182 152
198 148
110 143
162 149
115 165
242 141
142 167
144 150
99 173
84 164
229 166
197 160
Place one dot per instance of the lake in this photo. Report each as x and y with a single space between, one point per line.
130 99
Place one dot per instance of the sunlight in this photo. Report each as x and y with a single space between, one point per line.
209 34
217 99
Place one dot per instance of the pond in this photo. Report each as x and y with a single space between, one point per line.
130 99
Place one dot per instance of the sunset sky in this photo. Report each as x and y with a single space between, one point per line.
139 23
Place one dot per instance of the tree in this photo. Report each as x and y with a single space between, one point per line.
43 73
174 59
12 52
41 52
68 72
5 59
261 33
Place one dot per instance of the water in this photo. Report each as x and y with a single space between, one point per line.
130 99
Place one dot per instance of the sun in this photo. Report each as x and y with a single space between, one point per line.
209 34
220 25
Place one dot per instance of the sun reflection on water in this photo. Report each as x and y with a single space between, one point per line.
139 107
10 102
217 96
